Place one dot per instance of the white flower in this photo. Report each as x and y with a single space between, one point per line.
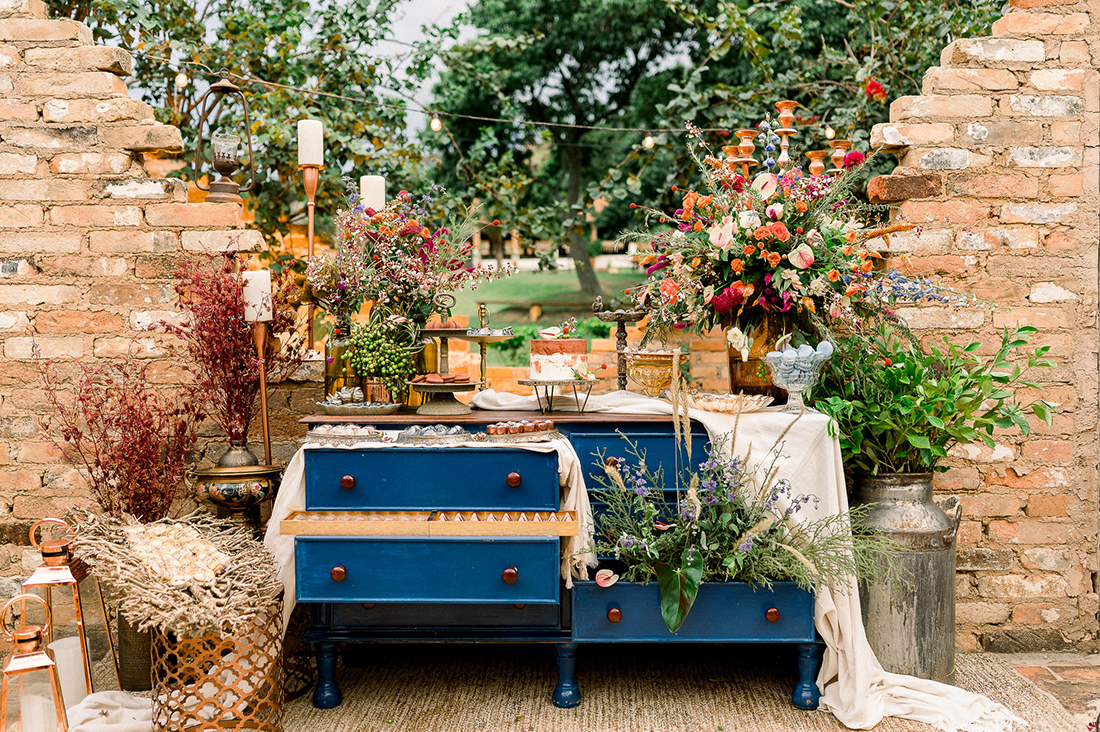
748 219
721 235
774 211
738 341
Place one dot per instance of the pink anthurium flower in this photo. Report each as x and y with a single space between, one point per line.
606 578
802 256
722 234
766 184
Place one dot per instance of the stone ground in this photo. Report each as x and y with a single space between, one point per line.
1072 678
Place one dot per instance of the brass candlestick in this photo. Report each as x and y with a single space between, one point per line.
817 162
259 338
311 177
840 149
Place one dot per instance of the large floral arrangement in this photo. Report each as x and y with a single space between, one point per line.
785 251
394 259
725 525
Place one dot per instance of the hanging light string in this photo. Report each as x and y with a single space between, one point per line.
434 115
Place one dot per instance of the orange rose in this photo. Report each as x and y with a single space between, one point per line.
698 225
669 290
808 303
737 265
800 206
867 265
833 275
846 250
779 231
749 249
850 236
761 233
774 258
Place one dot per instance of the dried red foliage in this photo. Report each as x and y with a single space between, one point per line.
131 437
220 350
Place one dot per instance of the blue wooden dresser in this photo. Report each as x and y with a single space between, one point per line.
396 581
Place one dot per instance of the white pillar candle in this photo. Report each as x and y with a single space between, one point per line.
372 190
36 706
311 142
70 669
257 295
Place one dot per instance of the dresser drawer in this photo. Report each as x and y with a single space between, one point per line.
731 612
456 478
383 569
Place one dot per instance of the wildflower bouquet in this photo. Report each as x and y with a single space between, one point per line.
391 258
786 252
725 526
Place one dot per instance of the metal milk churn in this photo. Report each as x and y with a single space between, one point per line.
910 622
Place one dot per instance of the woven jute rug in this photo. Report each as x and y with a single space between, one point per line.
640 688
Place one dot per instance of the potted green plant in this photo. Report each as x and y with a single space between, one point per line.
383 351
897 410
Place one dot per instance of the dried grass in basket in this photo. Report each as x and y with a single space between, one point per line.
227 603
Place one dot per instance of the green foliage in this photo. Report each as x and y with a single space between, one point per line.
322 45
385 348
898 409
724 526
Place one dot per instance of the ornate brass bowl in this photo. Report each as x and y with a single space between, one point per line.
651 370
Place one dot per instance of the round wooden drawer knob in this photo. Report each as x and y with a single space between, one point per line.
338 574
510 575
513 480
772 614
614 615
347 482
368 605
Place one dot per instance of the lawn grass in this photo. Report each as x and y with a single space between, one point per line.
529 287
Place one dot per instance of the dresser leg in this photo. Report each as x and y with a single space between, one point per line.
567 694
326 694
806 695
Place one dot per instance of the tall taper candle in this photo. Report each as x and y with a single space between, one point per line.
311 142
257 295
372 190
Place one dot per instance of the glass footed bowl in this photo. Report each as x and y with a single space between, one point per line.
651 370
796 375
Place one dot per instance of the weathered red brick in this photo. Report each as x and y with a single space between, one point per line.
193 214
950 79
1040 24
90 163
20 216
129 295
1059 452
93 84
81 58
957 211
78 321
1038 506
23 347
99 216
144 138
1037 317
889 188
1069 185
30 30
991 504
996 185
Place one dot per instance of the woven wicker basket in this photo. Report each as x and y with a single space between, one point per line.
223 681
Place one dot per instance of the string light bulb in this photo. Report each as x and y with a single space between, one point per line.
182 80
436 124
830 133
648 142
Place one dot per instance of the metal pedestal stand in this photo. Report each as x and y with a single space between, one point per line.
546 398
622 317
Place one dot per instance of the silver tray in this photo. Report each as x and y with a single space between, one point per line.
312 439
404 439
544 436
362 410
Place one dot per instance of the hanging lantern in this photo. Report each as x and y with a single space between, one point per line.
226 162
35 698
59 570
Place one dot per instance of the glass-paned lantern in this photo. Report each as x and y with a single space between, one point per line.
31 699
79 637
225 146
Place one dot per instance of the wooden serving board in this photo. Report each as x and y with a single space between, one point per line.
429 523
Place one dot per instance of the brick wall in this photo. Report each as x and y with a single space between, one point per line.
86 241
998 164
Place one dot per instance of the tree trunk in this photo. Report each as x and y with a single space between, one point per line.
578 242
496 244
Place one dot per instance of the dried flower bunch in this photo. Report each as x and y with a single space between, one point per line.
725 525
218 340
131 438
788 251
393 259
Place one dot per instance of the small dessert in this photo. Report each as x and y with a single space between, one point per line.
462 378
434 379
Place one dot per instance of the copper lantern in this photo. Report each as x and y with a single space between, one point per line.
226 162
